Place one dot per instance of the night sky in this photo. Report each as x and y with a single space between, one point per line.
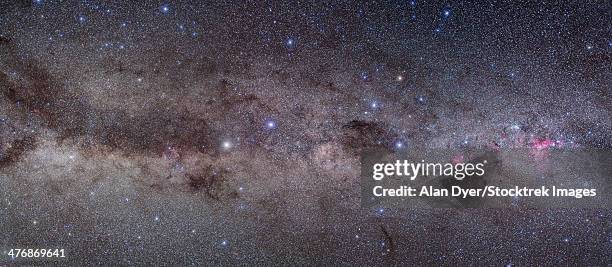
230 132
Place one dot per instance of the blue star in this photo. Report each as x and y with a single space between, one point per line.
270 124
374 105
82 18
446 13
421 99
364 76
290 42
399 144
165 9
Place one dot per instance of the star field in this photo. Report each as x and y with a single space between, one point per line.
189 133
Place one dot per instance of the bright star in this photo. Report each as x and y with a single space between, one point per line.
399 144
164 9
290 43
270 124
226 145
